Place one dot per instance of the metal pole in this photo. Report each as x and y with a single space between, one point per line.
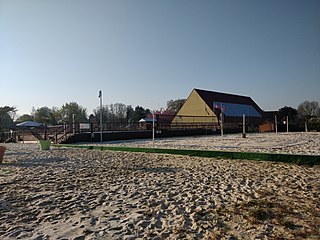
221 107
244 126
73 124
276 124
153 128
306 125
221 123
287 124
100 96
45 132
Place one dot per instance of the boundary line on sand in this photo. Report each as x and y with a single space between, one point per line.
274 157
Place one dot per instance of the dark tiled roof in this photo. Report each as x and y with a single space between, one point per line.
209 97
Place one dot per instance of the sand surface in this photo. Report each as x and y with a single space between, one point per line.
292 143
67 193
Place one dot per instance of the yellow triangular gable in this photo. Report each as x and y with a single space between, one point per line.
195 110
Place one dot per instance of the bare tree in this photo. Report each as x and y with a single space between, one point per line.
308 110
175 105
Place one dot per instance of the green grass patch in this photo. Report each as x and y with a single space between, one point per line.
274 157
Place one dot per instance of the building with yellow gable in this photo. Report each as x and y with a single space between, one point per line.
205 108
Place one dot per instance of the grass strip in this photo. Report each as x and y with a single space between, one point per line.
274 157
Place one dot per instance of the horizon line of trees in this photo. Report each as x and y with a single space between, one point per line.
306 110
112 113
126 114
69 111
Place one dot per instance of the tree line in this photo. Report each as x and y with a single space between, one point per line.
306 110
117 112
126 114
111 113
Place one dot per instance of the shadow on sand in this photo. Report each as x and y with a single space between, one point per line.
42 162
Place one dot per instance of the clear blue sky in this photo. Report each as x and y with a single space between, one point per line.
145 52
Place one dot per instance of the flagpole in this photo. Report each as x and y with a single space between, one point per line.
100 96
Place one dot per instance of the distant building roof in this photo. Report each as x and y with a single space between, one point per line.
147 120
30 124
233 105
209 97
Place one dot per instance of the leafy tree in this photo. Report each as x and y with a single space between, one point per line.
65 114
140 112
8 110
6 116
129 114
44 115
25 117
175 105
287 111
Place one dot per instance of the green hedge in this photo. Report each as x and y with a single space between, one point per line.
275 157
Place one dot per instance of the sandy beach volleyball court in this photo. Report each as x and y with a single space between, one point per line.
66 193
292 143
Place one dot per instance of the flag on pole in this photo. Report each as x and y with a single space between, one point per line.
220 106
100 94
